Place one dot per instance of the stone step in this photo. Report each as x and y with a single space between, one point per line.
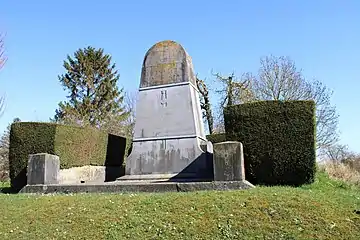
137 186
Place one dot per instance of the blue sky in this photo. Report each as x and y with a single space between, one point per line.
321 36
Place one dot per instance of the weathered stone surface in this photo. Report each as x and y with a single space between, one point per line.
43 168
139 186
89 174
168 131
165 63
229 161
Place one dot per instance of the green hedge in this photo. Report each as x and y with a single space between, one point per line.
216 137
278 140
75 147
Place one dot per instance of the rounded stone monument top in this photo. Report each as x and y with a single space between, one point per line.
166 62
166 43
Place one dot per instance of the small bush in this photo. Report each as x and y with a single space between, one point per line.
353 163
278 139
341 171
75 147
216 137
4 169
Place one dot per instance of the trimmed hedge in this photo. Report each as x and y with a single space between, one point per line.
75 147
216 137
278 139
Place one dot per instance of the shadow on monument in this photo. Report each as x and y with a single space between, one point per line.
199 170
115 157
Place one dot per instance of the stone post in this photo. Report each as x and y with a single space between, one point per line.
229 161
43 168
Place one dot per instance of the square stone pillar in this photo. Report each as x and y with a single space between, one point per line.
43 168
228 161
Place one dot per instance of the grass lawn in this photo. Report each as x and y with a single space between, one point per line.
323 210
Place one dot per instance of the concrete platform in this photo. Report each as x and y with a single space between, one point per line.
137 186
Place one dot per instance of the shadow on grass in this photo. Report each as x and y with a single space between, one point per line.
5 188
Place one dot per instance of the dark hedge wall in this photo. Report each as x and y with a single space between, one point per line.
216 137
75 147
278 139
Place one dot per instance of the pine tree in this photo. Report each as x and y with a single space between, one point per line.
94 98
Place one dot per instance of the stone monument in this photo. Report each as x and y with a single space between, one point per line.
169 141
170 151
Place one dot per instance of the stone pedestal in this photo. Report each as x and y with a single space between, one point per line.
229 161
43 168
169 133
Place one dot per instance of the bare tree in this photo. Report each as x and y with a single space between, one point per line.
279 79
130 101
2 63
205 103
4 152
2 51
233 91
338 153
2 105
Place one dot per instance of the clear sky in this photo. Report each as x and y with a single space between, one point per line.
322 37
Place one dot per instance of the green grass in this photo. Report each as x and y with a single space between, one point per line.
4 185
323 210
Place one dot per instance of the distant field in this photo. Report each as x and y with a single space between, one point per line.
323 210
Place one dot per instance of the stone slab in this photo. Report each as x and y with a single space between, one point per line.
228 160
89 173
43 168
138 186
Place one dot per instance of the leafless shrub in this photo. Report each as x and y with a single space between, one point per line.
341 171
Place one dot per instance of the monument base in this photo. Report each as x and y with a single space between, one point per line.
138 186
182 177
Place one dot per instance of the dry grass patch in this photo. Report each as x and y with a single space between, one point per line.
342 172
